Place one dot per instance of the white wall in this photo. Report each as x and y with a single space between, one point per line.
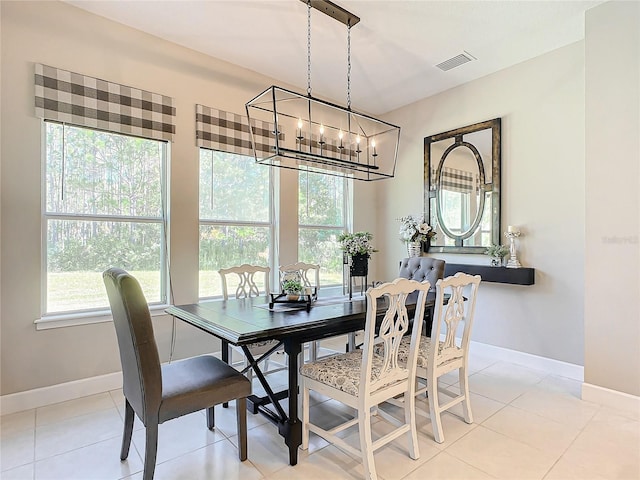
612 306
541 103
63 36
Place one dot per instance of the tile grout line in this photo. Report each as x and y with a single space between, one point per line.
571 443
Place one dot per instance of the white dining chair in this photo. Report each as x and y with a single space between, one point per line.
363 380
309 275
246 286
452 352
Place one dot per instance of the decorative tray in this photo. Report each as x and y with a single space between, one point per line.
303 301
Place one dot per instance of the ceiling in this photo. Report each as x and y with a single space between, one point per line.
394 48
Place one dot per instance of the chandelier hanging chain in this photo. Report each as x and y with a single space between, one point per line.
309 47
349 66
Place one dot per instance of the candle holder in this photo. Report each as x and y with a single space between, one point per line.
513 259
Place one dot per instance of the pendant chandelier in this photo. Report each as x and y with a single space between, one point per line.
305 133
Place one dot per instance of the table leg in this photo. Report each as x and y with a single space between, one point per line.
292 429
225 358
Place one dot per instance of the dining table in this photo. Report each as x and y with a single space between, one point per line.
245 321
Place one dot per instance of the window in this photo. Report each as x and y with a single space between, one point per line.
104 206
321 219
235 219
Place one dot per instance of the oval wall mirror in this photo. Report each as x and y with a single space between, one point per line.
462 187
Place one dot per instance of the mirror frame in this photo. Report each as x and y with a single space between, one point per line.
491 184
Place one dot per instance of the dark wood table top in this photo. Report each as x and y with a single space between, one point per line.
244 321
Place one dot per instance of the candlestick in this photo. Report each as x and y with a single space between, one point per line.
299 133
358 147
340 135
512 233
373 145
321 142
299 136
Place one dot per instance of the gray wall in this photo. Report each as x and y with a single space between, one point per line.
612 320
541 103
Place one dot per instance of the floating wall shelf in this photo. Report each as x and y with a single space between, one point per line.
514 276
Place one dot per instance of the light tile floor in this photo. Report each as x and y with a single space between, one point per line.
528 425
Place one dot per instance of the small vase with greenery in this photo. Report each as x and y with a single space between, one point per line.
497 253
293 289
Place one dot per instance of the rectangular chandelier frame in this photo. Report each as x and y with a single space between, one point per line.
317 135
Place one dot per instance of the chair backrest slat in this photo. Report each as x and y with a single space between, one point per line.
247 284
390 298
303 271
459 308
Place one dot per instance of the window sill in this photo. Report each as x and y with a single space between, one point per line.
86 318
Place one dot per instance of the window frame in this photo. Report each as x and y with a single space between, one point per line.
97 315
270 224
344 228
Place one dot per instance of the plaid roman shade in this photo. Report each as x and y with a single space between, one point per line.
85 101
456 180
229 132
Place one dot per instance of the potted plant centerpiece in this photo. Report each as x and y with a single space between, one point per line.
415 231
497 253
357 247
293 288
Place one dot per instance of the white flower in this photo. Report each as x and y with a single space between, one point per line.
358 243
415 229
424 228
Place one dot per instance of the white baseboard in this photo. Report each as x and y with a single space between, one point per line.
40 397
610 398
549 365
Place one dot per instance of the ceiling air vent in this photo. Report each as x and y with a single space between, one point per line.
456 61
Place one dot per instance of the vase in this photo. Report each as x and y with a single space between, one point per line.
359 265
496 261
414 249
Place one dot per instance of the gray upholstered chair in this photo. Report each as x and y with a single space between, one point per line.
157 393
421 269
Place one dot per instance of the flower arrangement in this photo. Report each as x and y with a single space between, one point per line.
358 243
415 229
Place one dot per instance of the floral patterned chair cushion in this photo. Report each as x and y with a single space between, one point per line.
342 371
423 350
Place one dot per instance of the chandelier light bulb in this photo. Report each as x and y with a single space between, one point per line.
299 132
